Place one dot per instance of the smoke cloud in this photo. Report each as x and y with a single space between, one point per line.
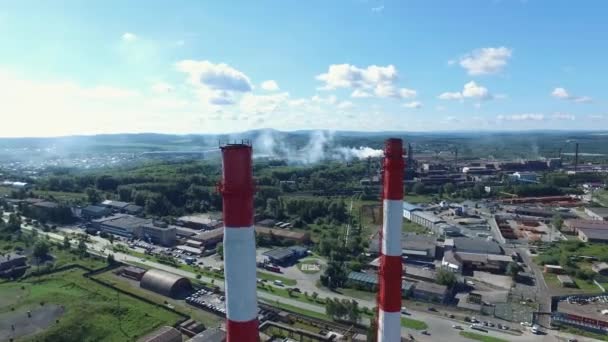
320 146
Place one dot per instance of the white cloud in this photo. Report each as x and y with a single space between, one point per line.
331 99
378 9
562 93
470 90
161 87
522 117
270 85
358 93
450 96
563 116
215 76
378 80
485 60
129 37
262 104
413 104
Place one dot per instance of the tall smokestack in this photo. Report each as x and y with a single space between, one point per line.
239 244
389 297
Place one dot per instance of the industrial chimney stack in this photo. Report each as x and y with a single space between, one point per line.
239 243
389 296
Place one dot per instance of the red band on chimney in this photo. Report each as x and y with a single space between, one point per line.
242 331
393 169
237 185
390 286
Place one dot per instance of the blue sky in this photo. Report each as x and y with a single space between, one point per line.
86 67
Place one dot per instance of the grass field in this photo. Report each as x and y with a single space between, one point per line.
480 337
582 286
299 310
202 316
62 196
413 324
273 277
93 312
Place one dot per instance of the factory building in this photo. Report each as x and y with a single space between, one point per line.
414 247
464 255
209 238
94 212
600 214
122 207
430 292
199 222
163 334
157 232
524 177
283 234
120 224
408 209
165 283
426 219
285 256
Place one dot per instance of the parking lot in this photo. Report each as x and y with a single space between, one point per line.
208 300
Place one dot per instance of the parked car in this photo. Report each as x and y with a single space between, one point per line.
457 327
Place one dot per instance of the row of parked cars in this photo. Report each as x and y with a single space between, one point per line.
196 300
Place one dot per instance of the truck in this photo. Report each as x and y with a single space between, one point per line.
272 268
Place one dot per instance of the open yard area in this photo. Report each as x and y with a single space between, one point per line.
576 258
411 227
413 324
66 306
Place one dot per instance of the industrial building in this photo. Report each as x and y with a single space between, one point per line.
470 245
94 212
574 225
285 256
370 282
209 335
426 219
417 247
123 207
597 235
199 222
209 238
585 312
165 283
157 232
600 214
120 224
12 265
464 255
524 177
408 209
133 272
430 292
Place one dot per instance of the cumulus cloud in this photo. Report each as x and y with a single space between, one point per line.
270 85
129 37
562 93
381 81
413 104
484 61
262 104
470 90
215 76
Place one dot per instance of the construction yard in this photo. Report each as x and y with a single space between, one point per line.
66 306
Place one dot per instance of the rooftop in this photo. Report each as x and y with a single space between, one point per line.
430 287
578 224
602 212
410 207
115 204
163 334
11 256
281 233
600 266
95 209
590 310
595 233
481 246
123 221
565 279
279 253
210 335
205 219
210 234
428 216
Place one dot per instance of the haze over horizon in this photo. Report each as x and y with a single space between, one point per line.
201 68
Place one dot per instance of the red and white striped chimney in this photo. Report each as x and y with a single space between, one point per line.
239 244
389 297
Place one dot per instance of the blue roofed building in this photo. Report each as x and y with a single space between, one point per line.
408 208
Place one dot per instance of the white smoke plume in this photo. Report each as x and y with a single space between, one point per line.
320 146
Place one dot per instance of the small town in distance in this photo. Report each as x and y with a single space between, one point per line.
510 250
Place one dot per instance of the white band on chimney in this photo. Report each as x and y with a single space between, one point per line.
389 319
391 229
240 274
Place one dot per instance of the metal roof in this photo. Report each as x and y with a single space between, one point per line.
165 283
481 246
594 234
410 207
163 334
428 216
279 253
363 278
95 209
430 288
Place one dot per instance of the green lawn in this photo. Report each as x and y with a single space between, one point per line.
365 295
480 337
413 198
62 196
207 318
272 277
93 312
413 324
582 285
